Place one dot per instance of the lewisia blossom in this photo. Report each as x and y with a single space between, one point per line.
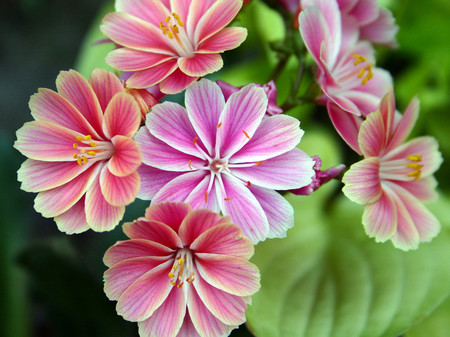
184 273
82 158
394 178
171 43
225 156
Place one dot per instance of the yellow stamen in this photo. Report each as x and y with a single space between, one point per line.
75 156
75 145
84 159
219 125
91 153
189 164
88 137
180 285
206 196
260 162
79 161
246 134
227 199
359 59
180 261
171 275
175 267
195 140
177 17
163 28
414 166
79 138
92 144
415 174
170 34
415 157
168 18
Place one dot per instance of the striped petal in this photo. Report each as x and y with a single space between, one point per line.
372 135
154 231
176 82
122 116
152 180
105 85
200 65
226 39
119 191
171 214
127 156
152 76
73 221
153 11
132 60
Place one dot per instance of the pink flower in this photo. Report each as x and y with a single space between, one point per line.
225 156
183 273
320 177
82 159
269 88
346 73
172 44
394 178
374 24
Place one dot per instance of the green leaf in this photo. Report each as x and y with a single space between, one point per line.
327 278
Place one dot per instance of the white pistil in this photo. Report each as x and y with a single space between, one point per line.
175 32
183 269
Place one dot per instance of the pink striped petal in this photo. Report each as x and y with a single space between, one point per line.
123 274
127 156
73 221
179 188
362 181
188 329
130 249
225 239
275 135
132 32
231 274
341 100
216 18
153 11
100 215
77 90
380 218
407 237
50 106
58 200
122 116
146 294
154 231
131 60
387 110
119 191
365 11
405 125
37 176
372 135
204 104
200 64
181 7
46 141
162 156
226 39
197 222
171 214
167 117
176 82
203 320
423 189
105 85
167 319
197 9
293 169
241 117
238 202
278 210
382 30
152 180
152 76
229 309
365 102
346 124
204 195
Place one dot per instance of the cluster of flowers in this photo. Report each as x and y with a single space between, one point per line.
96 145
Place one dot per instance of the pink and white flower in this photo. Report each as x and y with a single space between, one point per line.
350 82
183 273
394 178
225 156
82 158
171 43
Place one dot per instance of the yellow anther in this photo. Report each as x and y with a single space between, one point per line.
190 165
92 144
246 134
82 151
415 157
88 137
163 28
180 285
85 160
415 166
170 34
75 145
172 283
415 174
79 138
171 275
175 267
175 29
219 125
168 18
206 196
91 153
79 161
75 156
359 59
227 199
177 17
180 261
195 140
361 72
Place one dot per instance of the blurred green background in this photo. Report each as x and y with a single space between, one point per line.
51 284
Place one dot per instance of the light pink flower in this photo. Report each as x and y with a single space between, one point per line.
82 159
374 24
225 156
184 273
346 74
171 43
269 88
394 178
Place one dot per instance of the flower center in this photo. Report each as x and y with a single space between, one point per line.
182 269
177 35
86 149
217 165
415 166
360 59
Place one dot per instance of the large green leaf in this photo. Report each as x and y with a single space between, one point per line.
327 278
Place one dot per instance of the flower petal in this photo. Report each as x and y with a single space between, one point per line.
100 215
382 30
77 90
423 189
156 231
122 116
293 169
171 214
362 181
238 202
225 39
153 11
119 191
176 82
204 104
105 85
127 156
278 210
231 274
132 60
223 238
372 135
200 64
274 136
241 117
188 329
405 125
152 76
152 180
167 319
204 195
146 294
73 221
